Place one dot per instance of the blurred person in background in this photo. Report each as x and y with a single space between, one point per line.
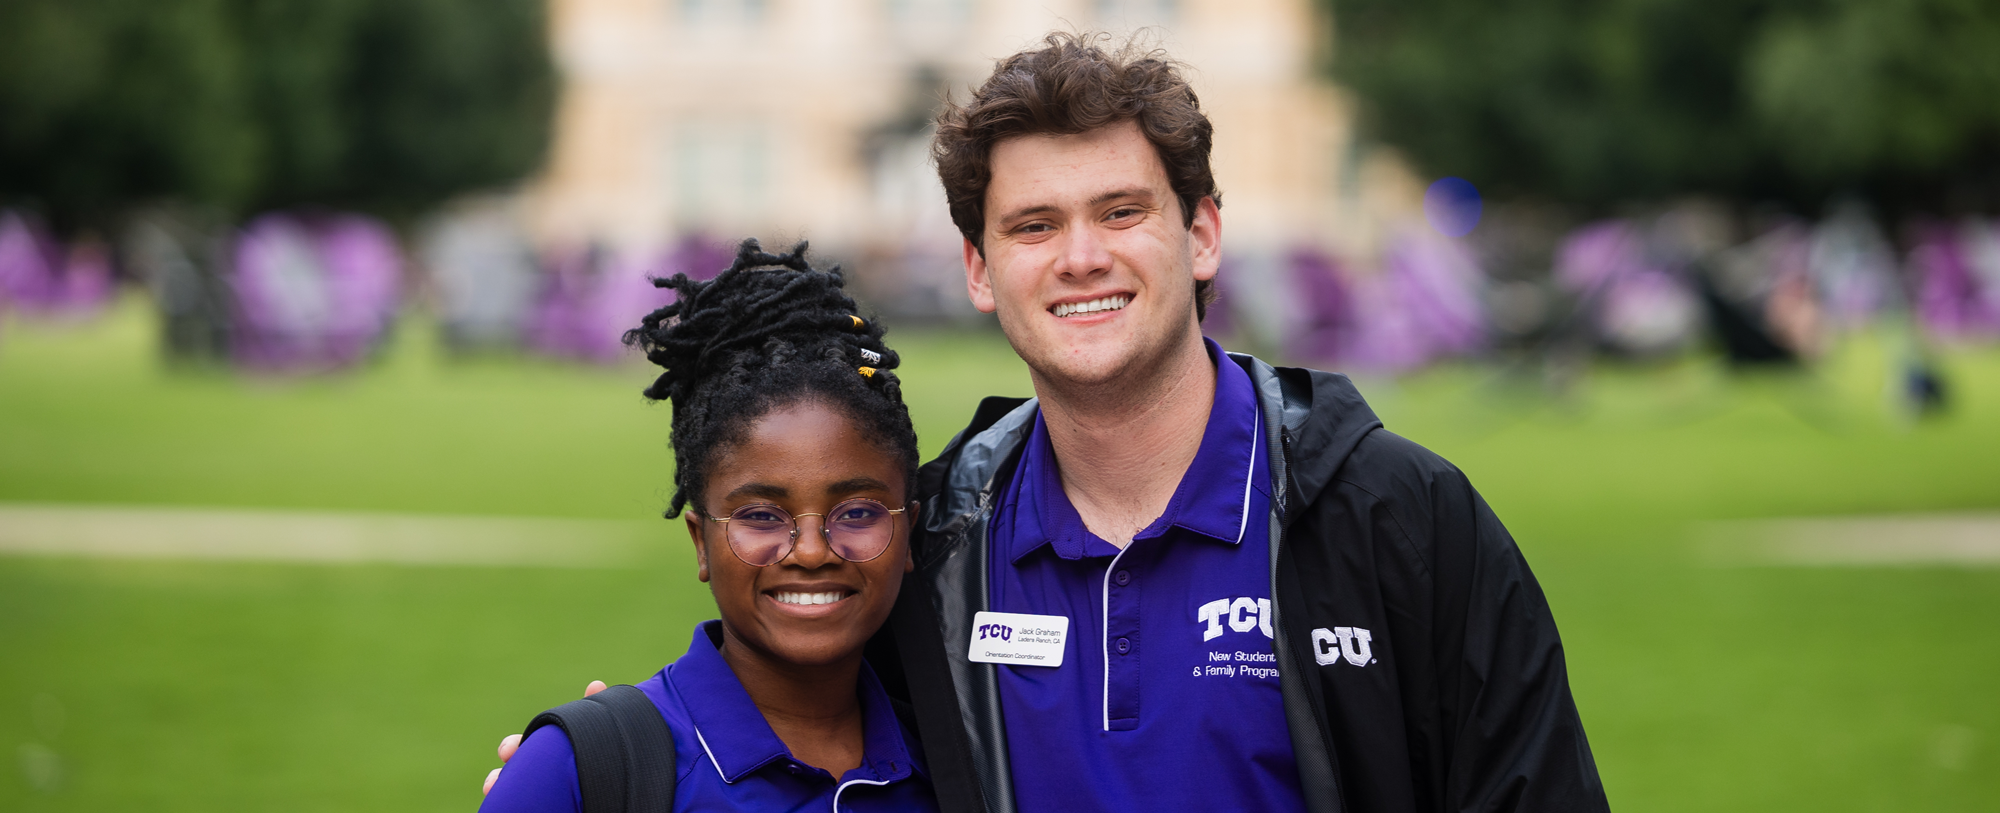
784 409
1265 600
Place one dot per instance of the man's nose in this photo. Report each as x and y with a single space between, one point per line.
1084 252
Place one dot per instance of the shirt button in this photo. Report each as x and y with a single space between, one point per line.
1124 645
1123 577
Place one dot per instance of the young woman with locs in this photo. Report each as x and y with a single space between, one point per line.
794 459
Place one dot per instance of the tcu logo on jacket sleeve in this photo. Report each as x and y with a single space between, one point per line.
1343 643
1242 615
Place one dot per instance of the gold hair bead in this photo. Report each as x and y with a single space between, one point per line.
868 372
858 324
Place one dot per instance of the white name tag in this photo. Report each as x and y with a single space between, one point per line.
1018 638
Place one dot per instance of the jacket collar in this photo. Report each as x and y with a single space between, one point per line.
1313 420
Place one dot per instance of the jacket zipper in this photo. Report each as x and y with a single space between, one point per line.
1291 654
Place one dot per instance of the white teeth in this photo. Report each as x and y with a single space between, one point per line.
1108 303
808 598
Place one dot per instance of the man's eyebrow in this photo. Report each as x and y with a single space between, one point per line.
1099 200
854 484
1132 192
1031 210
763 490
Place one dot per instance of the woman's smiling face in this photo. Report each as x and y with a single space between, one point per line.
804 458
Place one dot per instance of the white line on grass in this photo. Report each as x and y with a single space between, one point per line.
318 537
1914 540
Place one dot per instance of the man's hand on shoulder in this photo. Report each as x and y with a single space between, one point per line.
512 742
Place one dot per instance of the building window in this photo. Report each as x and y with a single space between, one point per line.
721 173
929 12
1137 13
721 11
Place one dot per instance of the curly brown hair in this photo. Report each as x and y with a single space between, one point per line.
1071 85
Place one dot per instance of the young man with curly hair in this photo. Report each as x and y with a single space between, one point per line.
1271 602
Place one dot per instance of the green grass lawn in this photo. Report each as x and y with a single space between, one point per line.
129 685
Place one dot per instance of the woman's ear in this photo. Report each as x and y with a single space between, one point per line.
694 524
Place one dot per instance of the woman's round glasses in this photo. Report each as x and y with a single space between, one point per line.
762 534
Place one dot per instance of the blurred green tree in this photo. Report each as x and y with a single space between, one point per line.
1596 102
387 106
104 102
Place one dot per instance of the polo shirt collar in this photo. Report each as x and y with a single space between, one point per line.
1211 500
740 742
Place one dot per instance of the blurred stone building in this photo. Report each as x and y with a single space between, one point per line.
714 120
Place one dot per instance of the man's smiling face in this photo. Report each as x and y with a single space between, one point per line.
1088 260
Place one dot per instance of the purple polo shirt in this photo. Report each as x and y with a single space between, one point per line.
726 756
1167 697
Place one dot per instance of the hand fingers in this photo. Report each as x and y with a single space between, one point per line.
512 742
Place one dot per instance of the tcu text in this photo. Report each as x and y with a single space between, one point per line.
1000 631
1242 615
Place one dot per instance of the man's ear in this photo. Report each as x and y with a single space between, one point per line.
1205 238
978 284
694 524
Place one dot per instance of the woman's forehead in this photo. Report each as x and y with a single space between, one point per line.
805 449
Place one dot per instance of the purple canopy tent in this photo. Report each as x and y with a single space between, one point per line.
1956 272
1326 295
1423 307
592 296
315 291
700 257
1636 302
38 275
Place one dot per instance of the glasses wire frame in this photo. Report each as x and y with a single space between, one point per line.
825 529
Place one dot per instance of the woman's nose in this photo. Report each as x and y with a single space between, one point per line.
810 549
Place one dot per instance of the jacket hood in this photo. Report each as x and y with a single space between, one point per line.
1324 419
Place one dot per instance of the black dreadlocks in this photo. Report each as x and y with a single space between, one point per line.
769 332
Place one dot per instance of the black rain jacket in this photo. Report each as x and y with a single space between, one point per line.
1462 702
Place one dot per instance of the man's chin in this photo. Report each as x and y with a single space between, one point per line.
1085 372
1085 360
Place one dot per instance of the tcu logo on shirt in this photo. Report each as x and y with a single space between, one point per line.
1348 643
1000 631
1242 615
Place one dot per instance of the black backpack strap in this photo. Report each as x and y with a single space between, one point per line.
624 750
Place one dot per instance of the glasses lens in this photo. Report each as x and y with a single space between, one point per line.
860 530
760 534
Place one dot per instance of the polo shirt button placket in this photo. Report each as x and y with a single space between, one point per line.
1121 682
